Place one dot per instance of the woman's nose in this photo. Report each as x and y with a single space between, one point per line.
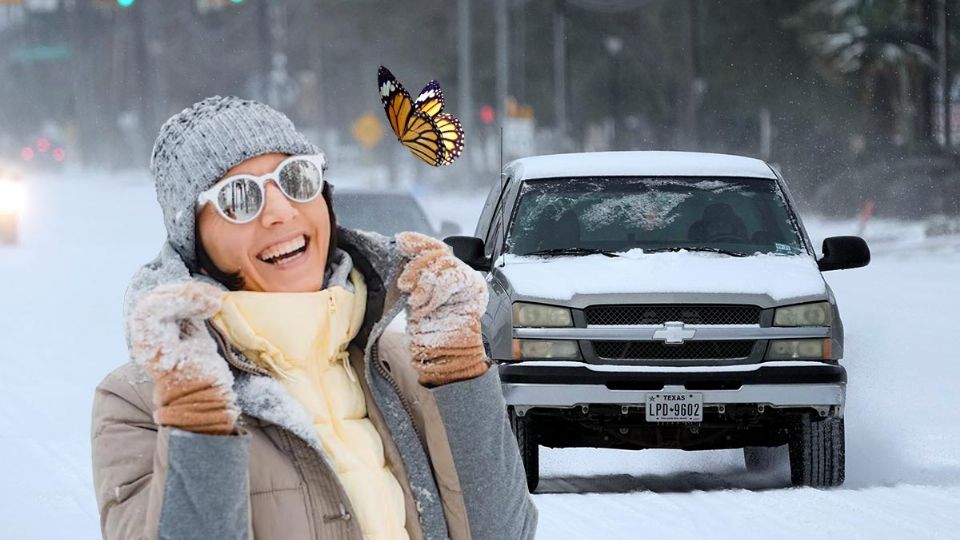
277 208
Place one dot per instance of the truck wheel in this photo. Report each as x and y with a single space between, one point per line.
527 442
817 452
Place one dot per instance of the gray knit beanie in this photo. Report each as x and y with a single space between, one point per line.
201 143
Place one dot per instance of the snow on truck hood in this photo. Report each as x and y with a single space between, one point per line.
561 278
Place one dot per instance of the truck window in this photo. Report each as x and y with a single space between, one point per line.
743 216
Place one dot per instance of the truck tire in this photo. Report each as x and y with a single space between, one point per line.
817 452
527 442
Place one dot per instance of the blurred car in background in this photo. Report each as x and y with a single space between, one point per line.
43 153
11 203
386 212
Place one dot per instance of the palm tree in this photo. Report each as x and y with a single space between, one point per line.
883 47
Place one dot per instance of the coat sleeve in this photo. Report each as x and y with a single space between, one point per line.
487 459
158 482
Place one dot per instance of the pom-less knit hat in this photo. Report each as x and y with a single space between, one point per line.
201 143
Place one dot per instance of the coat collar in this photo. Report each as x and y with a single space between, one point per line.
259 395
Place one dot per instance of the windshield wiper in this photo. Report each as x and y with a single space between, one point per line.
710 249
574 251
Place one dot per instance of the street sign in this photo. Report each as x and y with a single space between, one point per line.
41 5
51 52
367 130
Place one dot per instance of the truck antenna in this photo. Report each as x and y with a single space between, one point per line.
503 204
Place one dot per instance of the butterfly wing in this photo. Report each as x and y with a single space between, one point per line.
423 138
430 101
413 129
451 136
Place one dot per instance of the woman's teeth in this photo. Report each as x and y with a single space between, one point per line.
285 252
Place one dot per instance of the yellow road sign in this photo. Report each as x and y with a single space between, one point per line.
367 130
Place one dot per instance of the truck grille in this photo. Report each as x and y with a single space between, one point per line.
691 350
659 314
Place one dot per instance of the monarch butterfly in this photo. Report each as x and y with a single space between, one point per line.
434 136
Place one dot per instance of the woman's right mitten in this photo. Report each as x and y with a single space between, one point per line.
193 388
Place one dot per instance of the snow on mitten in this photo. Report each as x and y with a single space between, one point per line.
446 300
193 387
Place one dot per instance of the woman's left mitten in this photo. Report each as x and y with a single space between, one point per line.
446 300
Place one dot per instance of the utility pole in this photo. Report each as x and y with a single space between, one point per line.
560 67
519 50
465 70
945 75
316 65
278 84
502 58
266 47
689 112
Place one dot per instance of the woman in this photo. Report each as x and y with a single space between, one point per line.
266 396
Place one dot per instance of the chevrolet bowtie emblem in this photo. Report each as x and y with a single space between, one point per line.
673 333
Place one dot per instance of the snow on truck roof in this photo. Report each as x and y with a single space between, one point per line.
639 164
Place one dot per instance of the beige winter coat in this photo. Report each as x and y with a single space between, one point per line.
450 447
283 505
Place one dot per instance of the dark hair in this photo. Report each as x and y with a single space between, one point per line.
233 280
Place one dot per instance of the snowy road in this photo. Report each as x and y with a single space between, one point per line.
60 327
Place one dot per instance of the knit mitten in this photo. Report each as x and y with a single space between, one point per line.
446 300
193 387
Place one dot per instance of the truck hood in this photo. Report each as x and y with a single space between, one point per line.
773 277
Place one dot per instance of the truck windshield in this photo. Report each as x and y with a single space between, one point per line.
582 215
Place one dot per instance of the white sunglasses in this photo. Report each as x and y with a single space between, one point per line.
239 198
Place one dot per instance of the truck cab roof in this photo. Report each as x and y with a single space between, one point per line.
638 163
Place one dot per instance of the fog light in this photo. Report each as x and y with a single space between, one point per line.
544 349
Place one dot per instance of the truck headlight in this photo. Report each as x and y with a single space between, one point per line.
11 197
798 349
537 315
815 314
542 349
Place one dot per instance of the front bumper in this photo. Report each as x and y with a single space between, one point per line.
816 385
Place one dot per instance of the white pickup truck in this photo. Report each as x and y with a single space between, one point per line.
663 300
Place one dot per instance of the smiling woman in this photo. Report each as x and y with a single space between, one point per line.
293 231
266 396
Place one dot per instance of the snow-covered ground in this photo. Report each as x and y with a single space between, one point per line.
60 333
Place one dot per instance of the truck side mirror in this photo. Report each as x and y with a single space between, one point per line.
469 250
843 252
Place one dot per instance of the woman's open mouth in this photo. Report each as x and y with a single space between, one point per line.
286 252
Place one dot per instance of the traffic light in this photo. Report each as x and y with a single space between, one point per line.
125 3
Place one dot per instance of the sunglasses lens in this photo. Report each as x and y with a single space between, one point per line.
240 199
301 180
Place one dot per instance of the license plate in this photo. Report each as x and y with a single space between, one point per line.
675 407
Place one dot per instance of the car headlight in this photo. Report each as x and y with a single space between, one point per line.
536 315
11 196
543 349
815 314
798 349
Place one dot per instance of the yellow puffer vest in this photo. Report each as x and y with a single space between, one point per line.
302 338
